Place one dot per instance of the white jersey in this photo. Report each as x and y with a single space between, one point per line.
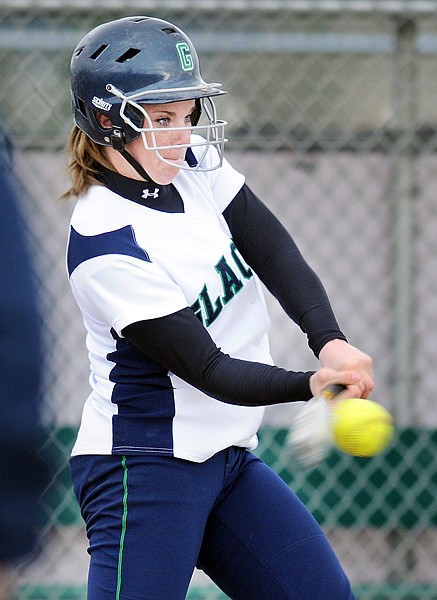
127 263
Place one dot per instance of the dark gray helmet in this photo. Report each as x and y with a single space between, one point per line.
131 61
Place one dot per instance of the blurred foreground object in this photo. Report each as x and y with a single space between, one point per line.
23 473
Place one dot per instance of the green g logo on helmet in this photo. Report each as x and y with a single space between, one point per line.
185 56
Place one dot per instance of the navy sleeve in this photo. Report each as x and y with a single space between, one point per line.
272 253
23 474
181 344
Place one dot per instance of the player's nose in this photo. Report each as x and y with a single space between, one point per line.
182 136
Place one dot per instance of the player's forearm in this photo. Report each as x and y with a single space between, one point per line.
204 366
270 250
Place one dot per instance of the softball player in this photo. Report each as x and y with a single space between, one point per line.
166 252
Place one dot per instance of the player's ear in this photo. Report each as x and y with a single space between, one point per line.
104 121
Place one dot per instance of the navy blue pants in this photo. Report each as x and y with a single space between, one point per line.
151 520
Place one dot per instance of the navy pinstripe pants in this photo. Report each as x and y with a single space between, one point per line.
151 519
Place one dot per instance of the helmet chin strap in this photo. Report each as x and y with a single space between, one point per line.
117 142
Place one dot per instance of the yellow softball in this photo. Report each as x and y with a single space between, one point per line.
361 427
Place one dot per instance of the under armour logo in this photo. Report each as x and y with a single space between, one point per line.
147 194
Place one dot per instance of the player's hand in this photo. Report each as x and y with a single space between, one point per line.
327 376
341 356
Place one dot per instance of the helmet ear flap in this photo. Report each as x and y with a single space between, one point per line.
195 115
136 117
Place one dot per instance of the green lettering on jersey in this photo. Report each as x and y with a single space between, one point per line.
230 282
211 312
197 310
246 272
204 308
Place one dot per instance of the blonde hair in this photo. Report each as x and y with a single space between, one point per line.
86 159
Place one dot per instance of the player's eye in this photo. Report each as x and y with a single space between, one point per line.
167 121
163 121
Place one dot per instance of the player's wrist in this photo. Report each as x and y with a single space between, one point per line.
331 348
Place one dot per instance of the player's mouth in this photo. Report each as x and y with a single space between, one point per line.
175 159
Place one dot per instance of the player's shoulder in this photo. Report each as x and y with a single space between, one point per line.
92 198
97 211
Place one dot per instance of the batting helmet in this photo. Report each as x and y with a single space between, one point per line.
133 61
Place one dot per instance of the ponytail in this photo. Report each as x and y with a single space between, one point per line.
86 159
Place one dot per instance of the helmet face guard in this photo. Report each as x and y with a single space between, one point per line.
125 64
212 132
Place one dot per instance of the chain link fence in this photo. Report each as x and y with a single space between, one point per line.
332 117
